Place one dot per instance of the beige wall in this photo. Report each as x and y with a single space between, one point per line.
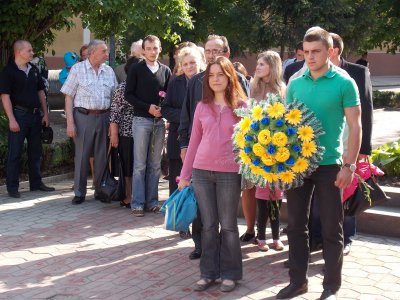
64 42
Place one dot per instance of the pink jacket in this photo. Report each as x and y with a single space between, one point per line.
210 147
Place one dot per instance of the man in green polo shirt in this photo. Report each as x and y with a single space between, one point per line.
333 97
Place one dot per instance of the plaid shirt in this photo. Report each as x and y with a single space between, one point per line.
90 90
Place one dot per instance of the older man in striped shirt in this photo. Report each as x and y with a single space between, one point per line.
88 90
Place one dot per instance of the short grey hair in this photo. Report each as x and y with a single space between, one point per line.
93 45
135 45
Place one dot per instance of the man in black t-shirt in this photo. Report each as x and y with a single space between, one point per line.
24 101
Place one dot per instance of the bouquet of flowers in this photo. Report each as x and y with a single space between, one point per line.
277 145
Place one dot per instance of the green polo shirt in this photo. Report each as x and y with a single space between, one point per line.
327 96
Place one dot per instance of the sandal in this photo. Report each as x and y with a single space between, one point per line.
227 285
203 284
247 237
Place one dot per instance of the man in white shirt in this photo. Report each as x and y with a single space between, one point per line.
88 90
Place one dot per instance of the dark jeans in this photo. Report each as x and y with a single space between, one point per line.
268 209
30 129
175 166
217 195
349 227
329 199
197 227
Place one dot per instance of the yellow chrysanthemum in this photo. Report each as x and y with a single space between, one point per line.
282 154
264 137
256 170
280 139
239 139
287 177
305 133
308 148
300 165
270 177
245 124
257 113
276 110
294 116
244 157
268 160
258 149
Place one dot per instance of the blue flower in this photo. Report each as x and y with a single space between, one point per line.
267 169
291 131
256 162
271 149
296 148
248 137
265 121
281 168
279 122
247 149
255 126
290 161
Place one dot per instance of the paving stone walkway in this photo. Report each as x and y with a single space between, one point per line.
50 249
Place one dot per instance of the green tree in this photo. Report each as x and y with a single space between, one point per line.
34 21
114 19
386 29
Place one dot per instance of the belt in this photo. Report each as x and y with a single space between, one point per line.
86 111
27 109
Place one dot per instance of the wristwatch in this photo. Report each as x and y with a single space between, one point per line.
352 167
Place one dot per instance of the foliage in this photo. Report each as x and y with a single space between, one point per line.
285 22
34 21
385 32
386 99
387 157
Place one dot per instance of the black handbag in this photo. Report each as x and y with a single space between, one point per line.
47 135
359 201
111 189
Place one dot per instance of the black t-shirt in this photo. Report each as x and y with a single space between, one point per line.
23 89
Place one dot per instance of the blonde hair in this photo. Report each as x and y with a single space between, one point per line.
274 83
186 51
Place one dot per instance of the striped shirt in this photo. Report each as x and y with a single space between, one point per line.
88 89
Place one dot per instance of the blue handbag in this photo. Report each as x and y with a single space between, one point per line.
180 210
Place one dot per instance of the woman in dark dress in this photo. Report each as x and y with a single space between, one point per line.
121 137
190 62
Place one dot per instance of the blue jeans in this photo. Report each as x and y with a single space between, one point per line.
217 195
30 129
148 136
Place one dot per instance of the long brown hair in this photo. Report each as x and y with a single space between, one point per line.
234 91
274 83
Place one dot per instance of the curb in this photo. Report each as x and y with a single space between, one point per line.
51 179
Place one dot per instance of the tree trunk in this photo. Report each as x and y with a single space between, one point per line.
5 54
112 50
171 59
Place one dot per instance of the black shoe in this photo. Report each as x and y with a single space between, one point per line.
14 194
44 188
292 290
315 247
328 294
78 200
196 254
247 237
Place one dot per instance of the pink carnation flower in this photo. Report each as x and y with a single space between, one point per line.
162 94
